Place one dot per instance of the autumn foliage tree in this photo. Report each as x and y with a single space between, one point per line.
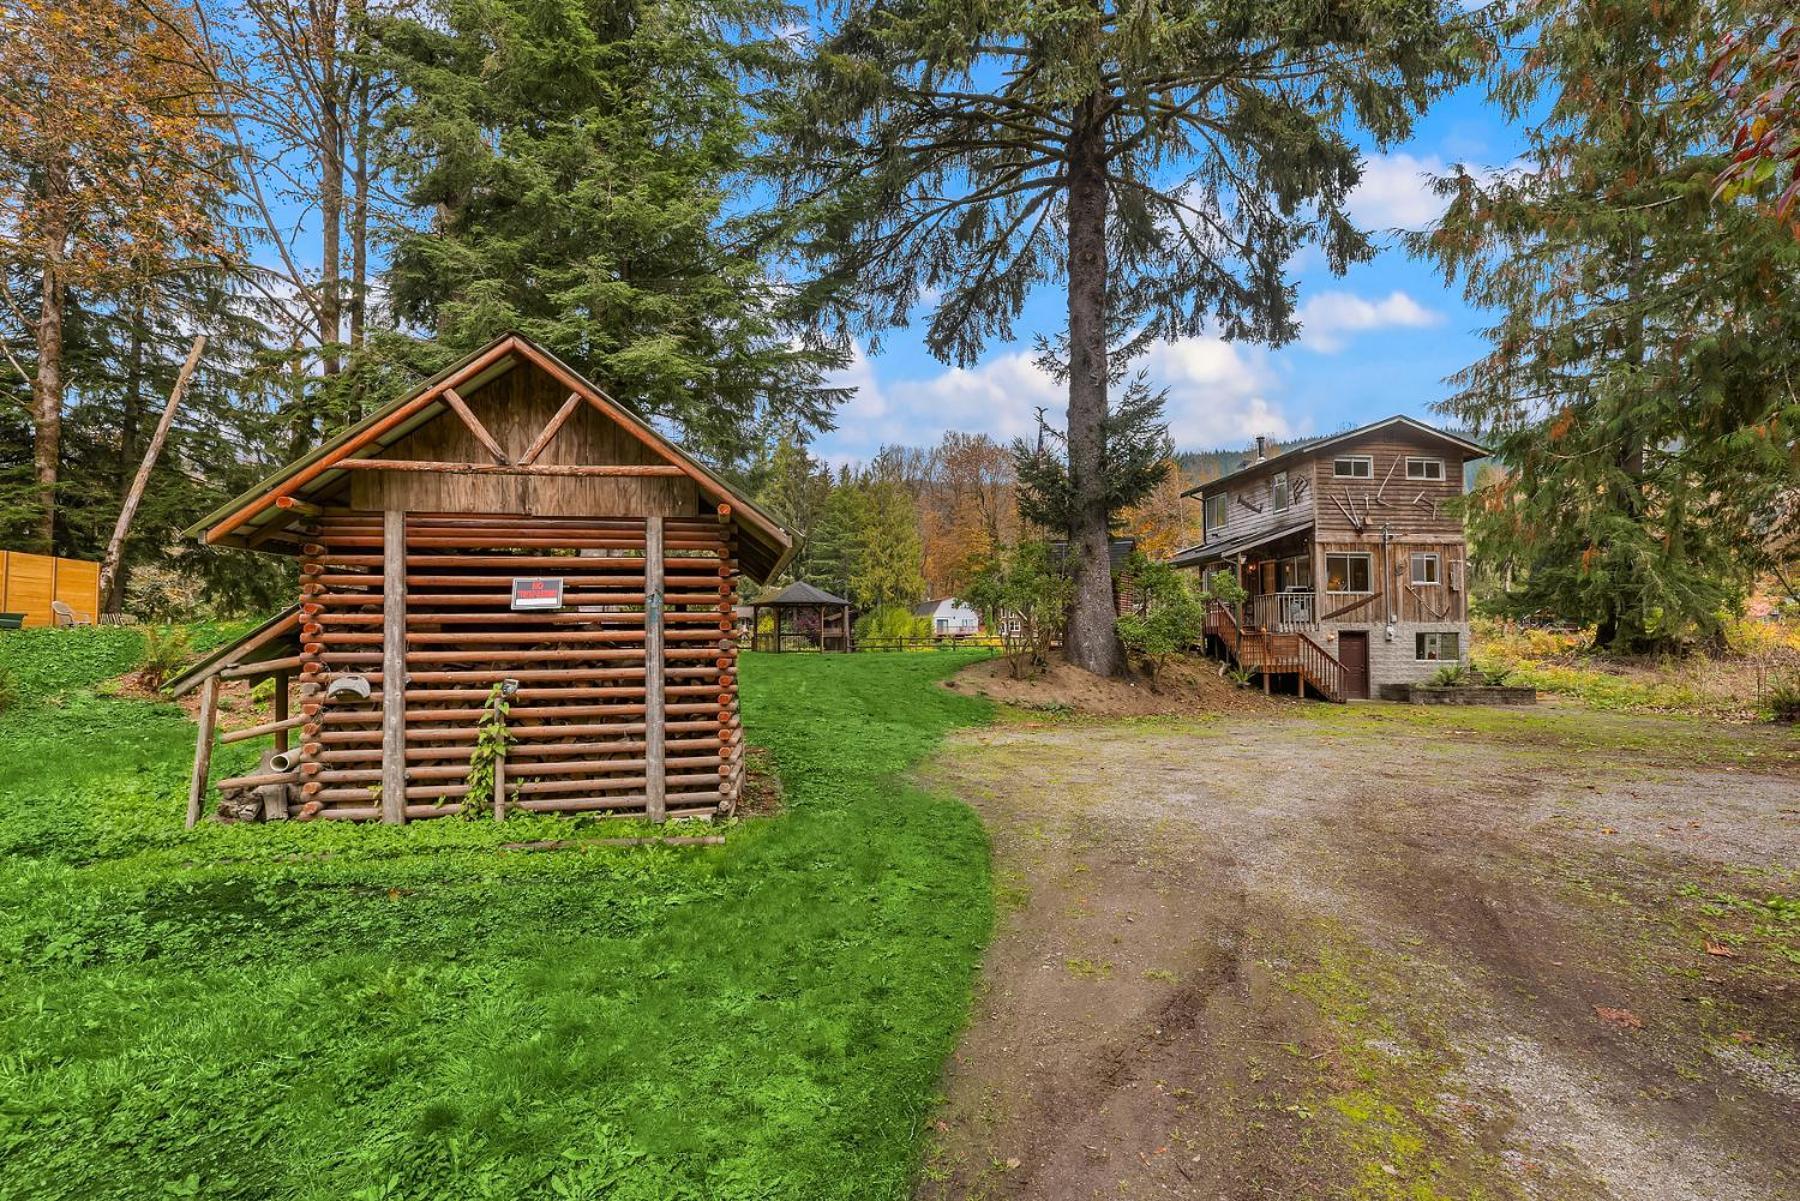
110 173
1756 71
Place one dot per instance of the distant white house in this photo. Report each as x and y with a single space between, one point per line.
949 617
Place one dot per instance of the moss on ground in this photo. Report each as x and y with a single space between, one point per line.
1385 1097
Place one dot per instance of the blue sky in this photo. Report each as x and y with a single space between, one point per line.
1377 341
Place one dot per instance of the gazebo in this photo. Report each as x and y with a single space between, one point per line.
832 632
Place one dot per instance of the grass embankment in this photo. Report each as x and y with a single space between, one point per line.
327 1011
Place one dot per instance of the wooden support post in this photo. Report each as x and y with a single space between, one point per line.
281 709
209 716
393 667
654 780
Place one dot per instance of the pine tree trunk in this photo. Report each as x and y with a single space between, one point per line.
132 401
1090 642
47 400
331 192
359 205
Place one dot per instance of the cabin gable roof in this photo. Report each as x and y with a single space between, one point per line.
258 515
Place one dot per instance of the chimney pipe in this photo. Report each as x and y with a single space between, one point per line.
1261 448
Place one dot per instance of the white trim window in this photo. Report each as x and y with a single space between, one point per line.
1424 469
1425 568
1437 646
1216 511
1279 488
1353 467
1350 573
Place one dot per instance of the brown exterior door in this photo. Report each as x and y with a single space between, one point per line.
1353 653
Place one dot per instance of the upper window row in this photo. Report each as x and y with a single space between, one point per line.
1362 467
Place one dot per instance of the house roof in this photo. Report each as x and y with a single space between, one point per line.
246 519
927 608
1470 450
1208 552
801 593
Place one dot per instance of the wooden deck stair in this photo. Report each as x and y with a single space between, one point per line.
1270 653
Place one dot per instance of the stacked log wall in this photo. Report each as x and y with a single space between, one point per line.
581 716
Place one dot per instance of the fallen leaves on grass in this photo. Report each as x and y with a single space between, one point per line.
1619 1017
1720 950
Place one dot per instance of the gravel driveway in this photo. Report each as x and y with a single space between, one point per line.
1380 952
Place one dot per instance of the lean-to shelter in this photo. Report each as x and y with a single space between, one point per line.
504 523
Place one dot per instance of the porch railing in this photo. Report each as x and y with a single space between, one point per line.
1284 611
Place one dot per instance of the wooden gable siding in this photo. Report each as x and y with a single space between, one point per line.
515 408
1408 508
1245 498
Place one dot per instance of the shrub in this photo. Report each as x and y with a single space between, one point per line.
1172 618
1449 676
1021 595
1223 587
166 649
1784 697
891 623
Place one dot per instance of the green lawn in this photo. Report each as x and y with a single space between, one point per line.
326 1011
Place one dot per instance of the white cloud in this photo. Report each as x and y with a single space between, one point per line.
1218 396
1327 319
1217 392
999 397
1395 192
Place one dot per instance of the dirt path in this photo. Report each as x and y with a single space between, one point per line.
1358 953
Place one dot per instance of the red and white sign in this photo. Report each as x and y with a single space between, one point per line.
537 592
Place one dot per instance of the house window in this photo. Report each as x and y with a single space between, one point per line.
1444 646
1353 467
1424 469
1347 573
1215 512
1280 489
1425 569
1297 574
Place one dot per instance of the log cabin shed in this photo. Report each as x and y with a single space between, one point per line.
506 522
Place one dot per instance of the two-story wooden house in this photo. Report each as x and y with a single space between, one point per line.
1355 565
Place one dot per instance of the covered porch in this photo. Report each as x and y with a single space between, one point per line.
1289 589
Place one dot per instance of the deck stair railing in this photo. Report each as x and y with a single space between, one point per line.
1274 652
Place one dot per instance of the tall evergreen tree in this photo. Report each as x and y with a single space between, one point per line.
576 160
889 560
835 554
1640 381
795 491
1162 161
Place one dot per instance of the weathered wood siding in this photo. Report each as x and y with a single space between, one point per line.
1390 576
1250 504
515 407
1409 508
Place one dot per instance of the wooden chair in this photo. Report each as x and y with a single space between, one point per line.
67 616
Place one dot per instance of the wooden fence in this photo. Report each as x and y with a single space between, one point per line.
28 583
